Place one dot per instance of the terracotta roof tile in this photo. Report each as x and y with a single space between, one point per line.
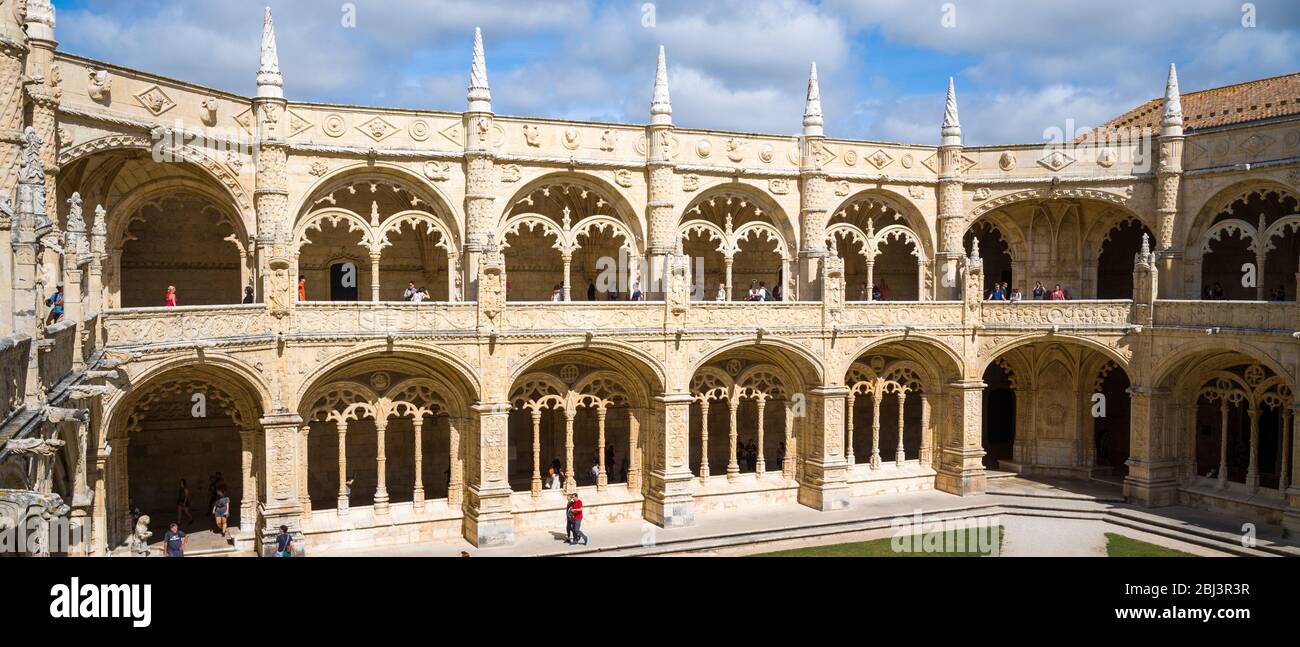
1278 96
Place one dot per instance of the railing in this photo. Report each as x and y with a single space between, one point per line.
56 352
139 326
128 326
384 316
1109 312
14 352
1258 315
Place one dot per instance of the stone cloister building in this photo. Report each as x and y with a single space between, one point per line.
448 415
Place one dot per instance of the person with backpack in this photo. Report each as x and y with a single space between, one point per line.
55 302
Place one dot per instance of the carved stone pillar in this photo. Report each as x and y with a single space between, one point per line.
488 521
961 463
733 464
602 478
570 479
823 483
304 468
900 453
760 465
537 453
282 443
342 426
927 430
791 443
668 501
1152 477
381 466
1252 469
456 487
417 438
875 431
704 440
248 478
848 430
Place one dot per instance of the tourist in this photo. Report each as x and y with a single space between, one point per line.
777 293
862 291
248 294
302 288
575 509
553 481
763 294
419 295
884 291
55 302
636 293
568 519
1216 292
612 295
169 301
183 504
753 290
221 511
1039 291
875 293
557 293
174 541
409 293
347 488
722 292
1015 296
1058 294
595 470
591 291
284 543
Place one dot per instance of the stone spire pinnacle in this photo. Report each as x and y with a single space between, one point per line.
951 129
270 84
812 109
480 95
661 107
1171 117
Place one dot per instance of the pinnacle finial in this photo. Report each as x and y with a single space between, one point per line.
1171 117
974 249
951 129
39 19
661 107
270 83
480 94
1146 245
812 110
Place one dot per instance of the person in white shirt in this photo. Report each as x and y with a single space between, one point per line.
409 294
1016 296
557 294
763 294
420 295
722 292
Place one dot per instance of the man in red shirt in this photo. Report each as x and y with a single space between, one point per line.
575 507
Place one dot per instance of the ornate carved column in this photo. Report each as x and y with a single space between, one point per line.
381 465
635 417
374 276
602 478
668 501
1223 443
280 433
961 462
927 431
537 453
13 51
271 194
570 479
29 225
1252 470
823 481
1152 471
417 438
304 468
567 259
900 454
457 484
791 453
704 440
343 467
848 430
813 206
1291 518
733 465
248 499
488 521
875 431
761 464
1284 450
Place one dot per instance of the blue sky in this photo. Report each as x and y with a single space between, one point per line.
1021 67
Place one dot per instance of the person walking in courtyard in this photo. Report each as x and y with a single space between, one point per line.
248 294
174 541
170 300
183 504
221 511
284 543
568 519
55 303
575 511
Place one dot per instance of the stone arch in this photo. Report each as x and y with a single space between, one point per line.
464 374
741 219
449 214
407 231
988 355
183 419
797 360
940 361
909 213
1253 221
588 220
625 357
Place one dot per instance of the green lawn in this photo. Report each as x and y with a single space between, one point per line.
885 548
1120 546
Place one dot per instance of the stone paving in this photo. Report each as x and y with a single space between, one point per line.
1074 526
